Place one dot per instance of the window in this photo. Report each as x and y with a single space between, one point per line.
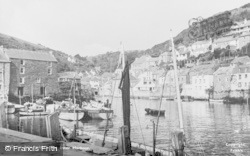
144 82
239 76
22 62
38 80
245 84
20 91
49 71
42 90
21 81
245 75
239 84
219 79
50 64
22 70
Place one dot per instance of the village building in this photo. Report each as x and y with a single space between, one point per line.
222 82
32 73
240 61
239 27
244 39
202 79
142 63
4 75
200 47
165 57
224 42
240 84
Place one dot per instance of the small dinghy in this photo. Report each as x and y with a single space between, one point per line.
154 111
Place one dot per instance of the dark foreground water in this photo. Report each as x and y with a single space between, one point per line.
210 129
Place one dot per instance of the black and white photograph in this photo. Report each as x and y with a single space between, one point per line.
124 78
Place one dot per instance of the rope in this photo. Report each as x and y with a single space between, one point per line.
157 122
138 119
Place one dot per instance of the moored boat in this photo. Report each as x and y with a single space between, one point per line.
71 115
155 112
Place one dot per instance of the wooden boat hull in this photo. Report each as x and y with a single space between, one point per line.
100 114
71 116
33 113
154 111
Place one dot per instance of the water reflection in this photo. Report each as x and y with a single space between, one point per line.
209 128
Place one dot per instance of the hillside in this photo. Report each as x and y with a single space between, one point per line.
15 43
108 61
105 61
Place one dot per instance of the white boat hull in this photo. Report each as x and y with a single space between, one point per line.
71 116
216 101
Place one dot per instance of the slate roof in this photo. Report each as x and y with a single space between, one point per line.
242 69
30 55
242 60
224 70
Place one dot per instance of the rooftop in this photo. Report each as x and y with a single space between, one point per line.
30 55
241 60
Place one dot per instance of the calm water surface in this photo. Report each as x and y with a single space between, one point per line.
212 129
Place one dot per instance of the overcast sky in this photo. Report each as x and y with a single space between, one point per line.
90 27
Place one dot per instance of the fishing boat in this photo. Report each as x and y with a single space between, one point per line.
70 111
19 108
155 111
96 110
10 108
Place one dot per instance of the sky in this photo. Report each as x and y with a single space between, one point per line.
91 27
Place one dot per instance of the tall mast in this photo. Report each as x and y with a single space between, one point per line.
180 112
123 56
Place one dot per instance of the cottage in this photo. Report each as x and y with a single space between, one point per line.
165 57
142 63
202 79
200 47
32 72
222 81
240 83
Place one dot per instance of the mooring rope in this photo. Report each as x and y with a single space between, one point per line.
158 116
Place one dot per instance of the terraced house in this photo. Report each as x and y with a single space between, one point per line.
240 84
32 73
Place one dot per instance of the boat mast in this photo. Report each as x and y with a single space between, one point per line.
180 112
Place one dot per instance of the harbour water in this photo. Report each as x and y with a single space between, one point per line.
212 129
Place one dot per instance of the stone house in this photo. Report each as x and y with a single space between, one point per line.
202 79
32 72
222 82
240 83
165 57
4 75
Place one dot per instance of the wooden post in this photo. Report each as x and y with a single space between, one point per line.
178 143
153 138
32 96
77 117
